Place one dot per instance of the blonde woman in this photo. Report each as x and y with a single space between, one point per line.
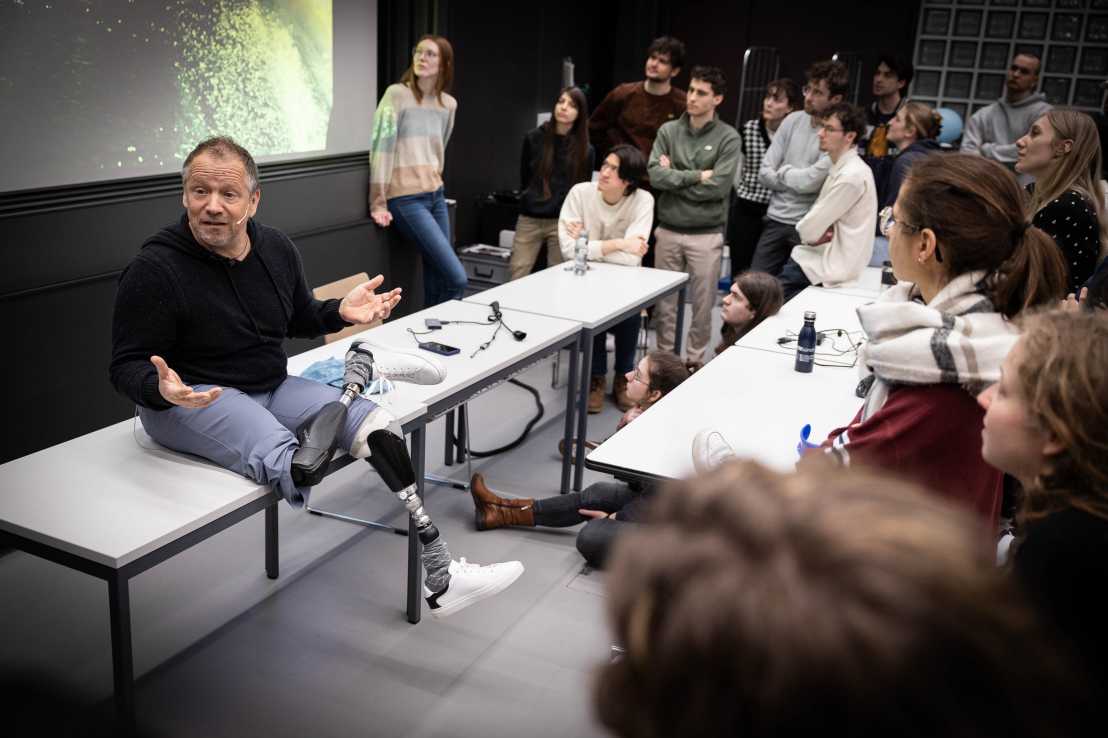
1062 153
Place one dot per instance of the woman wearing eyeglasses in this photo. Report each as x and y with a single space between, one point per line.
967 262
411 128
607 506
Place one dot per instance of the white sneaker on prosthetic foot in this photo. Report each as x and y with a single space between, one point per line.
471 583
396 365
709 450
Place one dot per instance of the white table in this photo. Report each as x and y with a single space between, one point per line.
835 310
753 397
107 506
467 375
867 285
751 394
602 297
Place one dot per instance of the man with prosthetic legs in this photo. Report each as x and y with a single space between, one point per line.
201 315
449 585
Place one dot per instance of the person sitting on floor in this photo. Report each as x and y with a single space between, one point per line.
837 232
608 506
760 604
1045 425
754 296
1062 153
616 214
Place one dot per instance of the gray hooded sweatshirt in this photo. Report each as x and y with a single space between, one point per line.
993 130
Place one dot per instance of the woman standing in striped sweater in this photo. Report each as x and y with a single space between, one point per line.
411 128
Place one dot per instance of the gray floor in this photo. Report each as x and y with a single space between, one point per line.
325 650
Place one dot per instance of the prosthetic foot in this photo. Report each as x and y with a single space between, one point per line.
449 585
318 436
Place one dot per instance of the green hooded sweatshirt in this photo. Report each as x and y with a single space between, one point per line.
685 204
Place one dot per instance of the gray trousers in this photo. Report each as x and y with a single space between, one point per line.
774 247
253 435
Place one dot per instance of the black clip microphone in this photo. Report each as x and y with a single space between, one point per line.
495 307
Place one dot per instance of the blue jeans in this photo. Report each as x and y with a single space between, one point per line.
423 220
627 338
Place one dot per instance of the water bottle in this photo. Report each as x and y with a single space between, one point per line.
581 253
806 344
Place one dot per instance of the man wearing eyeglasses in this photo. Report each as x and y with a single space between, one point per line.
794 167
837 233
993 130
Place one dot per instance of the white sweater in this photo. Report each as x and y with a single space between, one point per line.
847 203
631 216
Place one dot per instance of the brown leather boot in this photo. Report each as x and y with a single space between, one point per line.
596 393
492 511
619 393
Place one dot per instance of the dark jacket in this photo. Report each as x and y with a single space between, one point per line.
533 203
895 173
213 320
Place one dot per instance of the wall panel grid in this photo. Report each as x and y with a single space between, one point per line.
963 48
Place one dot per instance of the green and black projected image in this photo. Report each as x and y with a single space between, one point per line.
259 70
104 89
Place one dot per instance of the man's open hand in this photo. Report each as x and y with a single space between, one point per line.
177 392
362 305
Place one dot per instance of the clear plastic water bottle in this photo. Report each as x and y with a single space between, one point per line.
806 344
581 253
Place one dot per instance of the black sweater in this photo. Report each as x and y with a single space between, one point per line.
532 203
1071 221
1062 564
213 320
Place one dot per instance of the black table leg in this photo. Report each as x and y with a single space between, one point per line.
415 589
119 609
583 408
680 330
463 441
448 432
571 389
273 566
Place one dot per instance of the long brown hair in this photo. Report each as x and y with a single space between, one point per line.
1063 380
978 213
758 604
577 145
445 79
764 294
1078 170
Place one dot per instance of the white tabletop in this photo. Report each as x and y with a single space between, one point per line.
867 285
602 293
461 370
753 397
834 310
113 495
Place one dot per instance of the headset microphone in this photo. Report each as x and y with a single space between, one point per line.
239 221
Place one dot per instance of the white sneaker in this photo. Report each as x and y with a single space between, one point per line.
709 450
470 583
404 365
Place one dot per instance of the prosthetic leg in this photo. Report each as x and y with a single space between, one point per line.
380 438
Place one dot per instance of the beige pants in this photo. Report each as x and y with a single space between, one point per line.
699 255
530 235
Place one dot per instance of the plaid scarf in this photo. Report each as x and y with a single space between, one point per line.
958 337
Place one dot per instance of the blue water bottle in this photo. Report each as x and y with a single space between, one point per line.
806 344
